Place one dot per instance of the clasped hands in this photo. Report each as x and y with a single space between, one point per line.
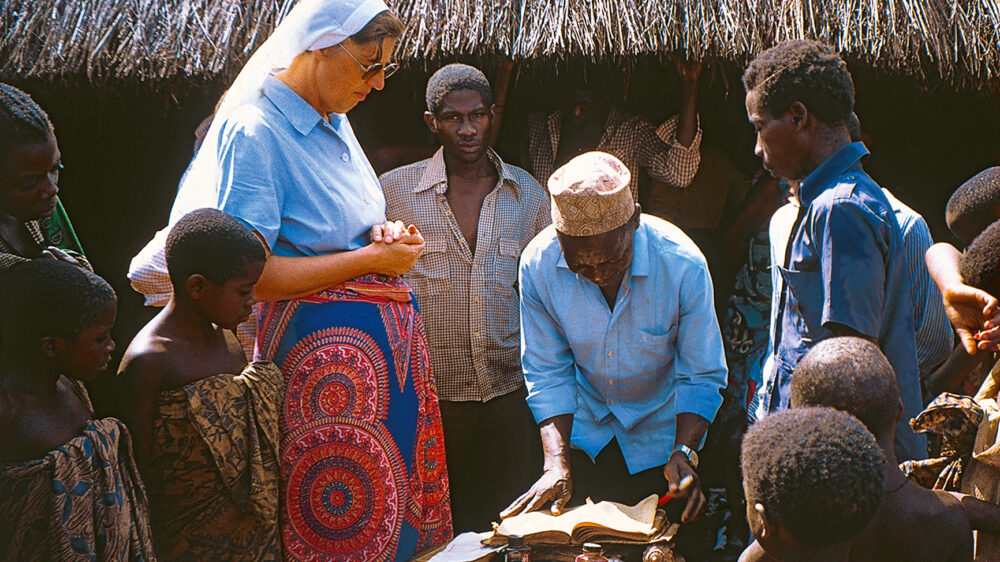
396 247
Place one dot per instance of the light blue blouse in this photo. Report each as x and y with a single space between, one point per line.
304 184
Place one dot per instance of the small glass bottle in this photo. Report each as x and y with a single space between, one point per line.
591 553
516 550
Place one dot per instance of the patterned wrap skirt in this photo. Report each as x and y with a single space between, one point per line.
362 456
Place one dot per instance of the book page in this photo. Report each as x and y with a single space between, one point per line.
638 519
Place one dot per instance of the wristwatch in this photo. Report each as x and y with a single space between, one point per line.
688 452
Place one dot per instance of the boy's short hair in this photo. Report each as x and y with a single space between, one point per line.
803 71
818 471
975 205
454 77
210 243
22 121
45 297
850 374
980 264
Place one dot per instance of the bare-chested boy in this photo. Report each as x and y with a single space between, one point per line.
813 481
914 523
69 488
205 423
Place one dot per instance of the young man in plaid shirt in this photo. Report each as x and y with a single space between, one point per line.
476 214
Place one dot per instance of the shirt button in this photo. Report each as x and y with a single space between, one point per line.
611 382
475 299
447 212
611 354
345 157
475 334
611 402
475 266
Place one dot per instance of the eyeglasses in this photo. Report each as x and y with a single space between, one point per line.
369 72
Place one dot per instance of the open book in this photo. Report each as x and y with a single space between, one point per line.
586 523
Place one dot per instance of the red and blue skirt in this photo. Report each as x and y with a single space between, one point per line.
363 472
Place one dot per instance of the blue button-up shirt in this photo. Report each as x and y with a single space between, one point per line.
845 264
625 373
303 183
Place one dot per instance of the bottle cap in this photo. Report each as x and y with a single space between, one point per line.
591 547
515 540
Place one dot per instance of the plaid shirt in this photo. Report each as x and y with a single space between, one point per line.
469 303
631 138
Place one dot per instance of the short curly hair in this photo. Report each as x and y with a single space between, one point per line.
211 243
454 77
850 374
974 205
803 71
980 263
818 471
45 297
22 121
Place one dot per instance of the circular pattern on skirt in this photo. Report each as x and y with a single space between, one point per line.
335 372
343 496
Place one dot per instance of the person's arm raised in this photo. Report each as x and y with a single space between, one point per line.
392 252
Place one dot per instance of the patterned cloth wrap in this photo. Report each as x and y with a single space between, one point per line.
363 472
953 421
82 502
213 486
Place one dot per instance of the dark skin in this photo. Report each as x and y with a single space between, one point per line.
29 183
586 112
913 523
604 259
463 124
39 411
189 340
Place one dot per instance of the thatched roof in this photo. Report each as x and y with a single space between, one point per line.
955 41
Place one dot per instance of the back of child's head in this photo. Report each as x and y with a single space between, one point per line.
975 205
22 121
850 374
818 473
44 297
980 263
210 243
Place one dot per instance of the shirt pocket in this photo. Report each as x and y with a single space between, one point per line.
508 253
430 274
650 353
805 298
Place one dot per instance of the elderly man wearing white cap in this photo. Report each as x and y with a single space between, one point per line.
621 349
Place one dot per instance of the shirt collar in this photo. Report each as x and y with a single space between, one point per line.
436 173
299 113
845 158
640 253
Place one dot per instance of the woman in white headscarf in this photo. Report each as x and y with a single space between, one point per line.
361 453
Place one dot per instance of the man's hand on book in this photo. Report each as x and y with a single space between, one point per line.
683 482
555 485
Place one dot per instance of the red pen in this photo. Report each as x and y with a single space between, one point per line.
684 484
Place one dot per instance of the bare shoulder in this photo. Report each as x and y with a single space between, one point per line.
146 360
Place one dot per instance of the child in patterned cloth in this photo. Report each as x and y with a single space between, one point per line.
69 488
205 423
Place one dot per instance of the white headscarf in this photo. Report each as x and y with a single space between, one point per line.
310 26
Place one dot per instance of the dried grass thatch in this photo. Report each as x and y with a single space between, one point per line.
954 41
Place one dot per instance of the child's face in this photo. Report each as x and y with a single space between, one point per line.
29 178
230 304
88 354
